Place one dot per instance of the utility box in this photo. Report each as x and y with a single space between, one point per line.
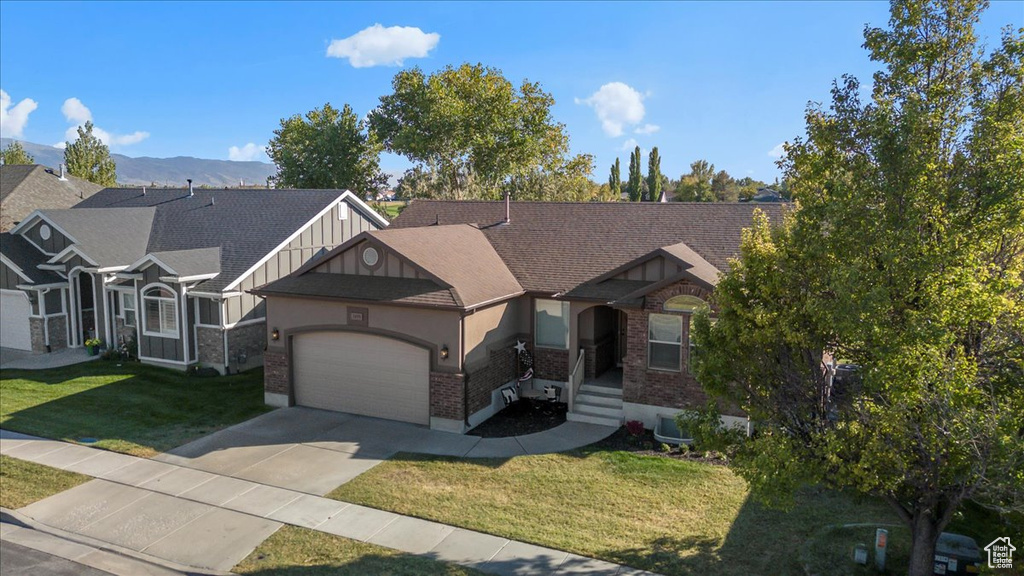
956 554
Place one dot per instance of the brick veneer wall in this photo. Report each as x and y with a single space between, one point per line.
248 340
38 339
551 364
657 387
598 358
446 395
499 370
275 372
210 344
58 326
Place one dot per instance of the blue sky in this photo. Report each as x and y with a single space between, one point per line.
724 81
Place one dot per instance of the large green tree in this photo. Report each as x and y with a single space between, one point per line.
326 148
473 131
634 186
696 186
653 176
615 180
905 257
15 154
89 158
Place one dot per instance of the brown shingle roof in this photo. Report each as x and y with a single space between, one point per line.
24 188
556 246
459 256
363 288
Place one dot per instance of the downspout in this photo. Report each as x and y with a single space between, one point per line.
184 323
462 368
42 312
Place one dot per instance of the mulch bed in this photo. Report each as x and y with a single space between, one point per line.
646 445
523 417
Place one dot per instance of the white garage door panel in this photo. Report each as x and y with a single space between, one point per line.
362 374
14 328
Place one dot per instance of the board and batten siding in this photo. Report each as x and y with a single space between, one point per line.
351 262
324 234
53 245
9 279
653 270
157 347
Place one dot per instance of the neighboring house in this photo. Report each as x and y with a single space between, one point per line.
24 188
166 270
420 322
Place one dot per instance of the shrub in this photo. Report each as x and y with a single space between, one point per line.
635 428
665 447
708 432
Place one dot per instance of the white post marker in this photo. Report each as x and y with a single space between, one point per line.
881 542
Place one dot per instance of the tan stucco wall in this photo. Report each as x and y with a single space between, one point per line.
438 327
491 325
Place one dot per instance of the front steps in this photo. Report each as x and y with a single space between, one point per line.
597 405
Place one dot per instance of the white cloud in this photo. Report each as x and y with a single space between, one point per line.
78 114
248 153
617 105
647 129
779 151
75 111
629 145
14 118
61 145
380 46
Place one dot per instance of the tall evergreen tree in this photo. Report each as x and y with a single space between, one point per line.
89 158
653 176
15 154
615 180
635 185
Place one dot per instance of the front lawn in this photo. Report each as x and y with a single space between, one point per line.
294 550
22 482
133 408
659 514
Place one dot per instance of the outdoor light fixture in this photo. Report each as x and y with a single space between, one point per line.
275 334
444 352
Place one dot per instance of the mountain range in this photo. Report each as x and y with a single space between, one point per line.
165 171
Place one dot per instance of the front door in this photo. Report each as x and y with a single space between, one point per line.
621 324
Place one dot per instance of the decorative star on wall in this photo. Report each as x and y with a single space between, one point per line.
520 346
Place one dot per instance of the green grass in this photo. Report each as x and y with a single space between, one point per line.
22 483
292 551
135 409
392 208
668 516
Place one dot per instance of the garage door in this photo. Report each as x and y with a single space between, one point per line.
14 328
362 374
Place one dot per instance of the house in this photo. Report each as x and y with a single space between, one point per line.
24 188
166 271
420 322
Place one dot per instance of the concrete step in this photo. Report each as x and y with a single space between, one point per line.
591 419
597 409
599 399
603 390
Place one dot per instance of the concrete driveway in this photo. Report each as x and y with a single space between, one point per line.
315 451
307 450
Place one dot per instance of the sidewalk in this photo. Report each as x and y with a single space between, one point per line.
211 521
82 555
11 359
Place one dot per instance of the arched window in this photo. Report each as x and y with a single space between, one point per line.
160 307
685 304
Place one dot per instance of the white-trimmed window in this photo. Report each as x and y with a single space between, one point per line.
688 305
128 308
160 312
551 324
665 342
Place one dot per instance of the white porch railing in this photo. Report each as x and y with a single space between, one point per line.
576 380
